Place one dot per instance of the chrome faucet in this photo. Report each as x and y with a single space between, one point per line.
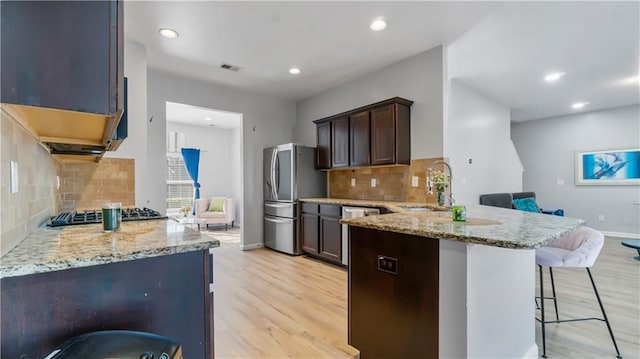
430 179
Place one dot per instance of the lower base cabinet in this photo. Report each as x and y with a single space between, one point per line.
167 295
322 231
393 294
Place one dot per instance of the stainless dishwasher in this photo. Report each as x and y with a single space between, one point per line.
353 212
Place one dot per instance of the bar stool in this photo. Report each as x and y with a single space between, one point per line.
578 249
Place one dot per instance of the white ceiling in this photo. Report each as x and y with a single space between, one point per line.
194 115
507 48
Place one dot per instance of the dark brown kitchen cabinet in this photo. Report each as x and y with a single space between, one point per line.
359 151
389 130
376 134
323 138
340 142
64 55
331 238
63 69
321 231
40 311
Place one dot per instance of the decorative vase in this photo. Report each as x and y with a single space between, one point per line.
441 198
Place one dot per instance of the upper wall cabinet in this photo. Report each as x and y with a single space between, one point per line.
62 69
377 134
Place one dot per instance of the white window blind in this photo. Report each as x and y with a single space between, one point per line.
179 184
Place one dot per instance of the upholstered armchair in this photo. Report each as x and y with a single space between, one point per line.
216 210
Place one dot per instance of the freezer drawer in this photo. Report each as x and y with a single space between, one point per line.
280 209
281 234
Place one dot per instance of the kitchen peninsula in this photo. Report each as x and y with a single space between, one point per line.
422 285
151 276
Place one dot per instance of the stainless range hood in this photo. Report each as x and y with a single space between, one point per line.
72 135
69 134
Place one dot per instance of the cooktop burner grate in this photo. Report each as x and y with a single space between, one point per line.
95 216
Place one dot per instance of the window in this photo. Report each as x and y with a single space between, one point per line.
179 184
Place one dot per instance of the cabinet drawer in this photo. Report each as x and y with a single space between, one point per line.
330 210
309 207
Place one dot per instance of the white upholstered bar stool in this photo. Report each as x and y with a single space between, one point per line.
579 249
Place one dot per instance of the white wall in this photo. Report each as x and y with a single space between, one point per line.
547 148
135 146
418 78
216 173
478 127
267 121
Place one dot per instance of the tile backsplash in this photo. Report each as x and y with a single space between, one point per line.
86 185
36 199
393 183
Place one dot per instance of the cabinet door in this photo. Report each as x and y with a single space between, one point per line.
359 135
309 232
323 140
331 238
340 142
61 55
383 135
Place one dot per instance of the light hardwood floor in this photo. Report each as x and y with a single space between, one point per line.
270 305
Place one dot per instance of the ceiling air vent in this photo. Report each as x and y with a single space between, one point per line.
229 67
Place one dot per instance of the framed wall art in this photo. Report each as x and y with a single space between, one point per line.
619 166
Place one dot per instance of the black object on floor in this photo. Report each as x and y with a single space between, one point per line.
118 344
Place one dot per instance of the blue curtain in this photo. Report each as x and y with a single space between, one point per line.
191 158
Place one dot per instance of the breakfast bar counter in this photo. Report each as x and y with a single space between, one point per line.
152 276
423 285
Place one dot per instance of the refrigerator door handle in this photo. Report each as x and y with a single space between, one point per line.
274 157
276 175
276 220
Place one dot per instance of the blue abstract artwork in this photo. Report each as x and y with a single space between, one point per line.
608 167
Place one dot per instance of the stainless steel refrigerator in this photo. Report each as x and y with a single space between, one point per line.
289 174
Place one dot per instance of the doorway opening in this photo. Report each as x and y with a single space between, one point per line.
218 137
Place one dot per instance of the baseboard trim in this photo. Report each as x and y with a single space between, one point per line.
248 247
621 234
532 352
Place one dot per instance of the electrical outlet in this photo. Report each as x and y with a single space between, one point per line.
373 182
353 182
414 181
560 182
601 217
14 176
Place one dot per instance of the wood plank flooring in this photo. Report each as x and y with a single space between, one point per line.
271 305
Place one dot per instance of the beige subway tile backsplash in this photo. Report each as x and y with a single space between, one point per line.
393 182
87 185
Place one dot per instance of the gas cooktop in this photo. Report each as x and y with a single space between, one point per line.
95 216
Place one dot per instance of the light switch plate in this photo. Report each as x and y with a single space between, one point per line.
560 182
353 182
373 182
14 177
414 181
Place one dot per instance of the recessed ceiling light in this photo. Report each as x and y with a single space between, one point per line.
208 118
555 76
168 33
378 24
579 105
294 71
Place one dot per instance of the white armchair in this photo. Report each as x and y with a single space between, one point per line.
226 216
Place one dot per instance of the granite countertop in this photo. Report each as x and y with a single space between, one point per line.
491 226
51 249
396 207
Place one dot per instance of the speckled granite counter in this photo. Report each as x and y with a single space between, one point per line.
396 207
497 227
51 249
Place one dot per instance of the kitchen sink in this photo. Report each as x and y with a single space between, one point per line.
415 209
